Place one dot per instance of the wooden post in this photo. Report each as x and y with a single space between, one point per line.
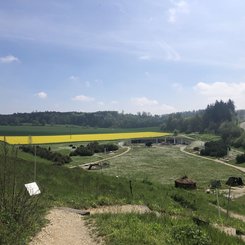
130 187
228 201
35 163
217 197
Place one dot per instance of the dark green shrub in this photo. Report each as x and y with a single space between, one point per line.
110 147
82 151
214 149
240 158
42 152
93 147
148 144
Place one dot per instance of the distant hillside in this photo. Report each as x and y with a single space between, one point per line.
101 119
191 121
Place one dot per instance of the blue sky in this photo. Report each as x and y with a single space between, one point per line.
143 55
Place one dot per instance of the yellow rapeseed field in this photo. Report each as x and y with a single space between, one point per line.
22 140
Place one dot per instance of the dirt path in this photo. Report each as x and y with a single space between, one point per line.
182 148
67 227
230 230
141 209
64 228
231 214
86 165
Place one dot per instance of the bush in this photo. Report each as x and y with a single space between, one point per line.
214 149
110 147
191 235
19 212
240 158
93 147
42 152
82 151
240 142
148 144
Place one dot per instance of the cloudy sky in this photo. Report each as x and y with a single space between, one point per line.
158 56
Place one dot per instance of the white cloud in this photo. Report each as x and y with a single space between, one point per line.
74 78
9 59
101 103
149 105
145 57
222 91
42 95
181 7
83 98
143 101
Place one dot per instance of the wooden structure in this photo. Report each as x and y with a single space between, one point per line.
234 181
185 183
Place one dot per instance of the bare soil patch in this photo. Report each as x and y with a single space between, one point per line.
64 228
67 226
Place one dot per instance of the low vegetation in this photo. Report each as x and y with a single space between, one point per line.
166 163
214 149
55 157
240 158
79 189
144 176
92 148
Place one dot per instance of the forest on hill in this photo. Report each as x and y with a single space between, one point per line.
208 120
100 119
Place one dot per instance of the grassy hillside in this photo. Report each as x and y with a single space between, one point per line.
165 164
79 189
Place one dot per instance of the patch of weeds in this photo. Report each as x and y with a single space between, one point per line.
190 235
191 204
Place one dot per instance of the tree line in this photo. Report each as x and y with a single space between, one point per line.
219 118
208 120
101 119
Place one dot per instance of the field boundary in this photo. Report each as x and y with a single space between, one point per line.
51 139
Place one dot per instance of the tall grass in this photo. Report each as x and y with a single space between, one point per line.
19 213
149 229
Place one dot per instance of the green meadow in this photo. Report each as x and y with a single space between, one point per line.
66 130
152 171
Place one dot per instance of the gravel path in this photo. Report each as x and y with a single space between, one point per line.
65 228
141 209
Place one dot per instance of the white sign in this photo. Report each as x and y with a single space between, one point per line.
32 189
